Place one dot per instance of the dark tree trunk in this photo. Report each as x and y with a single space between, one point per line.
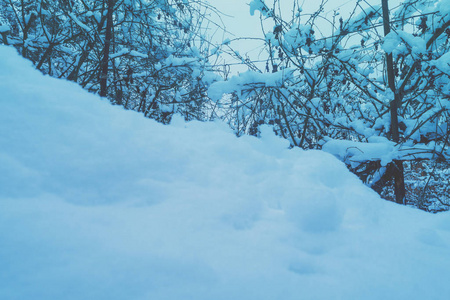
105 59
396 169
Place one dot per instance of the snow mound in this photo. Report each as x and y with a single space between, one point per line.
100 203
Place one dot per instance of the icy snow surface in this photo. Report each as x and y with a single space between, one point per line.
100 203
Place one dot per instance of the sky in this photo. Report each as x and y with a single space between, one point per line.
239 23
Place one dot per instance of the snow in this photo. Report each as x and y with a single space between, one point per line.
100 203
392 41
246 80
125 51
4 28
442 63
258 5
79 23
121 52
443 6
138 54
378 148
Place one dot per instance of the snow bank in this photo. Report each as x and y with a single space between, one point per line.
101 203
246 81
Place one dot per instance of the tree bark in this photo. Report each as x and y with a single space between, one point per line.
396 169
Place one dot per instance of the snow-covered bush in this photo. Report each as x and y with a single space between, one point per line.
151 55
341 85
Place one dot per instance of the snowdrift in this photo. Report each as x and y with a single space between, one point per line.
100 203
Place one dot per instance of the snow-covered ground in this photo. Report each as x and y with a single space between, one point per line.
100 203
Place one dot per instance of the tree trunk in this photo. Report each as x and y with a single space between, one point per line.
396 169
105 59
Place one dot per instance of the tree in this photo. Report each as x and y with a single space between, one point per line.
396 167
335 91
108 37
148 56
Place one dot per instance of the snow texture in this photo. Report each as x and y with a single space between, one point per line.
258 5
393 40
79 23
442 63
378 148
247 80
100 203
4 28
